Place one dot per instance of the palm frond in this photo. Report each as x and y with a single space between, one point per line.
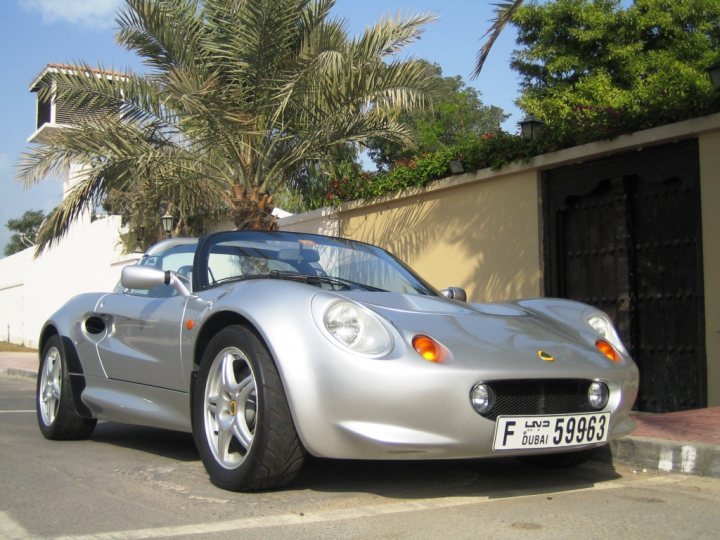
243 94
165 33
390 35
503 14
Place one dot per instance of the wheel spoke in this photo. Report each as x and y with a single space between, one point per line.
56 368
245 388
48 367
246 412
223 440
227 375
242 432
212 404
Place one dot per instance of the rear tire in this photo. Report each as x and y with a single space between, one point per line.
241 419
56 414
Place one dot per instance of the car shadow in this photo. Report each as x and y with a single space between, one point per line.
161 442
492 478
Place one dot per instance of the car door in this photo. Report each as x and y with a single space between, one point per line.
144 327
143 342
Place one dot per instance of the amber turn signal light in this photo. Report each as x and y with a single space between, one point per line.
427 347
608 350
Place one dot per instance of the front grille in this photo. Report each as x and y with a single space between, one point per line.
542 397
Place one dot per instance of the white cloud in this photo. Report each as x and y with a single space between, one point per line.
92 13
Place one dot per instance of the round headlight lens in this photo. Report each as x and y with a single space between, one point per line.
598 395
345 322
482 398
357 329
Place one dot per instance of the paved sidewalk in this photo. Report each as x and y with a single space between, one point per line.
19 364
686 442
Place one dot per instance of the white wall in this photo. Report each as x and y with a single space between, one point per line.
325 221
88 259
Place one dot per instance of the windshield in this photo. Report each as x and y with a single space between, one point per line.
332 263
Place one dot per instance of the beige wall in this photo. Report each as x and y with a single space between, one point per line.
482 231
480 235
709 144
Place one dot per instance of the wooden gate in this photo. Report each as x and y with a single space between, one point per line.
624 234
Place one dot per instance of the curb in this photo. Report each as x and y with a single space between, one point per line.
662 455
18 372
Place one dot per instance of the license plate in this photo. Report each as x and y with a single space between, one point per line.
524 432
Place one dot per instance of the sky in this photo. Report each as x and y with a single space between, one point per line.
34 33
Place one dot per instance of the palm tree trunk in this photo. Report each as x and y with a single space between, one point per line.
251 211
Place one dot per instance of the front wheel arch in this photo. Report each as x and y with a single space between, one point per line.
211 327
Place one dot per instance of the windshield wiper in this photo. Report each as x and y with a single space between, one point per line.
311 280
302 278
346 282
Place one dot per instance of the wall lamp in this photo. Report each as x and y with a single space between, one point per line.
531 127
167 224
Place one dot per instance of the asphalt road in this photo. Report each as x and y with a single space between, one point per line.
130 482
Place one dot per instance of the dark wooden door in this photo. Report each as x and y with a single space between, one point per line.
624 234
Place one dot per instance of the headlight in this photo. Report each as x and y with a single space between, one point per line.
357 328
605 329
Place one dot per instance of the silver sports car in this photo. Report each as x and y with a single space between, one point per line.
268 346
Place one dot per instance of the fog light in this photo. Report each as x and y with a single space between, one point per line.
482 398
598 394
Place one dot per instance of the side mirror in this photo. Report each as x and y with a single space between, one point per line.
455 293
142 277
147 277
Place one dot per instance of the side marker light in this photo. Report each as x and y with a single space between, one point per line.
608 350
427 347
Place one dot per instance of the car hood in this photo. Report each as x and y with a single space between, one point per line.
499 337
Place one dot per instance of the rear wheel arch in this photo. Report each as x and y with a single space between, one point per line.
76 375
57 392
47 332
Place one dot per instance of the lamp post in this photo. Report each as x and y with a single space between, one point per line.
714 72
167 223
139 235
530 127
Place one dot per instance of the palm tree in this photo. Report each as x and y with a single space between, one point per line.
503 14
239 96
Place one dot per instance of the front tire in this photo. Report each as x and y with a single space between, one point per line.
56 414
241 419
